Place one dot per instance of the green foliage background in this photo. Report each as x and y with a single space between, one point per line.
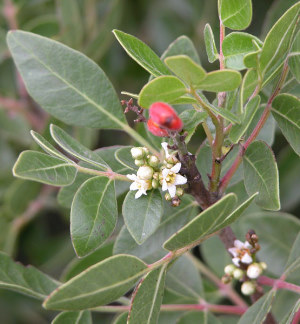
45 242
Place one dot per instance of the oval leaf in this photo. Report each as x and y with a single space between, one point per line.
85 94
293 263
286 111
222 80
202 225
235 14
142 216
186 69
141 53
100 284
211 50
93 214
44 168
261 174
83 317
148 297
164 88
124 157
73 147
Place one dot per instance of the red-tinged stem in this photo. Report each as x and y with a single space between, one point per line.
227 177
296 319
278 284
224 309
10 12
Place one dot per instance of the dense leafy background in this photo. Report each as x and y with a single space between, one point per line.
157 23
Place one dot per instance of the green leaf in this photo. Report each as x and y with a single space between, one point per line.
251 60
47 68
235 14
249 83
278 40
261 174
182 46
286 111
228 115
44 168
191 118
141 53
203 225
292 313
237 131
258 311
148 297
100 284
83 317
73 147
124 157
142 216
70 23
183 278
186 69
172 221
163 88
94 214
47 147
293 263
294 57
121 319
235 46
221 80
209 39
25 280
198 317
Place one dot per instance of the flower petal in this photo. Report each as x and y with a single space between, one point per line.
133 186
165 147
165 172
233 251
172 190
176 167
138 194
131 176
246 258
247 245
236 261
164 185
238 244
180 180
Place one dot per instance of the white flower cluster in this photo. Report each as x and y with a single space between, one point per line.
149 175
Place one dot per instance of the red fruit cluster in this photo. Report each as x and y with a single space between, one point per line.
163 118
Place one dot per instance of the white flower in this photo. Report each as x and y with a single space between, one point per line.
254 271
171 179
241 253
165 147
139 184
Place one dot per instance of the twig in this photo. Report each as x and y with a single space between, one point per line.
278 284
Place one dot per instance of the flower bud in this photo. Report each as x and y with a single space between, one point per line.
145 173
179 192
238 274
226 279
153 161
156 175
168 197
176 201
146 150
254 270
156 130
155 184
248 288
229 269
263 265
139 162
165 116
169 165
137 153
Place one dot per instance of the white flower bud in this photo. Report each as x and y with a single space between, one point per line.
146 150
238 274
229 269
139 162
263 265
254 270
248 288
179 192
155 184
145 173
137 153
153 161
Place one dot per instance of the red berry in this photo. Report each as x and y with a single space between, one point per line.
165 116
156 130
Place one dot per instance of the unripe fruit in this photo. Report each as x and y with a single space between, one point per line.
156 130
248 288
137 153
139 162
229 269
153 161
165 116
145 173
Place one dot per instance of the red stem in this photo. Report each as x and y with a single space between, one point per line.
296 319
278 284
